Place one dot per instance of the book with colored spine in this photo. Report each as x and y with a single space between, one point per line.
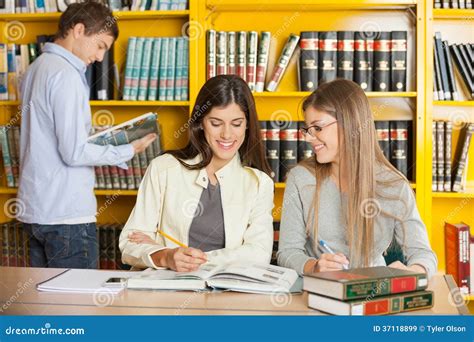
308 64
362 282
137 63
164 53
127 84
143 84
211 54
170 79
231 53
154 70
179 82
262 60
252 46
221 53
283 62
242 55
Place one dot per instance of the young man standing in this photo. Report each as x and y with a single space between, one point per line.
57 163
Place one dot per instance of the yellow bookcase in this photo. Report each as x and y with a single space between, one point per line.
455 26
282 17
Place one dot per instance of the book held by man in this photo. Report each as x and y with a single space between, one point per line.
127 132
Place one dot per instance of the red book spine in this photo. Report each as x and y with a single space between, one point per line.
403 284
377 307
457 255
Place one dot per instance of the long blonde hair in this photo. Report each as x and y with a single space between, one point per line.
363 160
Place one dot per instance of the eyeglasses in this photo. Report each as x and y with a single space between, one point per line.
314 130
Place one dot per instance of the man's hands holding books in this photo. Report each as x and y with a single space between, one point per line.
141 144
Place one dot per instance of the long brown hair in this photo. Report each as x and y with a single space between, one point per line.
367 169
221 91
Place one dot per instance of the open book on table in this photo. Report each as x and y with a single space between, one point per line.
253 278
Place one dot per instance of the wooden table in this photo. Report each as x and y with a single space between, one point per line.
18 296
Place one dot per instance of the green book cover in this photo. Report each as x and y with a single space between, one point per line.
137 62
178 84
170 79
185 85
154 70
163 69
145 70
7 163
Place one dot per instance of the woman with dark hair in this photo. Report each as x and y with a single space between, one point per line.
214 197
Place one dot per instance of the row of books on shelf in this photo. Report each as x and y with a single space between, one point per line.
107 177
14 60
48 6
157 69
375 60
445 56
368 291
286 146
461 4
449 172
459 253
15 247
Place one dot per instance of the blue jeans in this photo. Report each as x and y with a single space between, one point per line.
63 246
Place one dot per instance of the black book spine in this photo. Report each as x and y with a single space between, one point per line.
288 147
398 57
461 67
470 52
345 55
305 150
104 77
273 148
434 168
383 137
381 69
449 65
460 157
440 154
448 133
361 62
90 79
369 45
437 78
263 136
442 66
309 47
327 56
437 3
399 145
466 59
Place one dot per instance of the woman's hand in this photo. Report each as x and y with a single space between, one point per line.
331 262
185 259
139 237
415 267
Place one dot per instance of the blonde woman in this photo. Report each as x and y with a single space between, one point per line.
348 196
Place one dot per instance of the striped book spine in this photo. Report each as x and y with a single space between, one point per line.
211 54
127 84
7 163
221 53
145 70
179 69
171 69
154 70
12 84
137 63
242 54
185 88
252 59
262 60
3 72
163 69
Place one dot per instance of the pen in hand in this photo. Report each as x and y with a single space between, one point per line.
325 247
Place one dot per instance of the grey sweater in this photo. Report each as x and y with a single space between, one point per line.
296 248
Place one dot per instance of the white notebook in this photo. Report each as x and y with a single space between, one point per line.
84 281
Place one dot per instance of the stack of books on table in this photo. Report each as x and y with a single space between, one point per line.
368 291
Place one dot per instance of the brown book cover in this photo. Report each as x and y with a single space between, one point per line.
362 282
457 237
460 156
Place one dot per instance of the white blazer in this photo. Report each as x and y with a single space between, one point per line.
168 197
